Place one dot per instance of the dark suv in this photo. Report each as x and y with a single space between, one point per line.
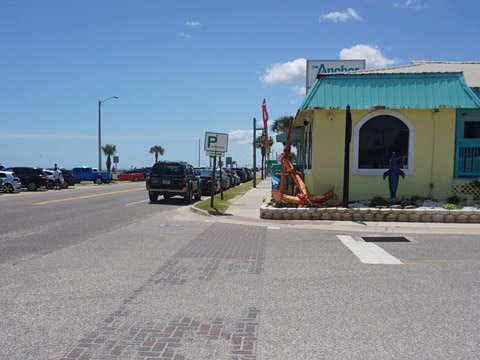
170 178
30 177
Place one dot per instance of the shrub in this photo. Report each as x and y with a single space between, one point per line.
378 201
453 199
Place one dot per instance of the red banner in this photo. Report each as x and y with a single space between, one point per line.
265 123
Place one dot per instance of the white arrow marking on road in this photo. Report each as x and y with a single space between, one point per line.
368 253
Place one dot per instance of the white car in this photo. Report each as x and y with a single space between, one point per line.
51 179
11 183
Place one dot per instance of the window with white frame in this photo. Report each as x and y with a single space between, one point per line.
377 136
308 146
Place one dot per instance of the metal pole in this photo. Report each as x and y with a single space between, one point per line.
99 136
254 154
346 167
221 176
198 152
212 191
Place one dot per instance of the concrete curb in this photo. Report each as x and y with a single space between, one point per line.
199 211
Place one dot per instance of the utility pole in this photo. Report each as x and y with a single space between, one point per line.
99 135
100 131
198 152
254 153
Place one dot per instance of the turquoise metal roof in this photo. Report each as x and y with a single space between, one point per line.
394 91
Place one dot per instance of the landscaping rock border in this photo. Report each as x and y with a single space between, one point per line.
371 214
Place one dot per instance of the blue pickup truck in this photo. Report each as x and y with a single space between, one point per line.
86 173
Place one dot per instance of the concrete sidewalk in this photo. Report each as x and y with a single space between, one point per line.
249 204
246 210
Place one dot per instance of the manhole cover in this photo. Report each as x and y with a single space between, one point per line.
385 239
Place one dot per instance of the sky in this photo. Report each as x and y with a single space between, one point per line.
181 68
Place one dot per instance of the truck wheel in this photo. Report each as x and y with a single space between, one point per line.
198 196
50 185
32 186
135 179
188 197
98 180
153 197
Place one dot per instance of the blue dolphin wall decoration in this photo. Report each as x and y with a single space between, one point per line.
393 174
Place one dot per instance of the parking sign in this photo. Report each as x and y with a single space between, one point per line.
216 142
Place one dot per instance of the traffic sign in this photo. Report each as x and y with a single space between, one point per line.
216 142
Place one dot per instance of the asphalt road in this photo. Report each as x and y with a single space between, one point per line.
154 283
36 223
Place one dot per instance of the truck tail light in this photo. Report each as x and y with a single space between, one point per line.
43 177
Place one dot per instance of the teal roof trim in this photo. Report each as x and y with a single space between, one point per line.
394 91
297 136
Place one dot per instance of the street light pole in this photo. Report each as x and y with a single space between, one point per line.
99 135
100 130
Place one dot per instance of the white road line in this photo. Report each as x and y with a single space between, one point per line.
368 253
137 202
273 228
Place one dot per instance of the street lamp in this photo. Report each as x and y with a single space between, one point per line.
100 130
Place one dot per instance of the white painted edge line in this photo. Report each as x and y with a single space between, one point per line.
368 253
273 228
137 202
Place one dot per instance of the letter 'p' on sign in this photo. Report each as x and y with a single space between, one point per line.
216 142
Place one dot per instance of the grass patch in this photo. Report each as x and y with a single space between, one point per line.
220 206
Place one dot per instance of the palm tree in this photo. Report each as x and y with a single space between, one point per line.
109 150
260 144
280 125
157 150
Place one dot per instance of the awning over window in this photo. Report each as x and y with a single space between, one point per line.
392 91
296 137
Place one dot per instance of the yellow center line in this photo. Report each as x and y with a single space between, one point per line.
85 197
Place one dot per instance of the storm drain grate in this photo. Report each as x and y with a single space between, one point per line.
385 239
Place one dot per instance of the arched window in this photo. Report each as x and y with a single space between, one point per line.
377 136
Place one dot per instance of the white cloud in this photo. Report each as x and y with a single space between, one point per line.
241 136
414 4
372 54
344 16
289 71
184 35
192 23
300 90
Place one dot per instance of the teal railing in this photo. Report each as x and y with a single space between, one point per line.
468 160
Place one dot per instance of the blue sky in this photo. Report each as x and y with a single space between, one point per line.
181 68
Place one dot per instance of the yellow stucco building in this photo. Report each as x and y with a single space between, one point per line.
431 120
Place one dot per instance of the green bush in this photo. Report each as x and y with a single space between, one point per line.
453 199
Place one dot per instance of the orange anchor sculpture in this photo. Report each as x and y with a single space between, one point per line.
303 197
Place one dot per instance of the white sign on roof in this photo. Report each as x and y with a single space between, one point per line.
331 67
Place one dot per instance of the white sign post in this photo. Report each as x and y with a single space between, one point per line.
216 144
315 67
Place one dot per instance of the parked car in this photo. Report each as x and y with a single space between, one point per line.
242 174
131 176
30 177
86 173
51 179
170 178
224 178
234 178
68 176
11 183
205 176
249 173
